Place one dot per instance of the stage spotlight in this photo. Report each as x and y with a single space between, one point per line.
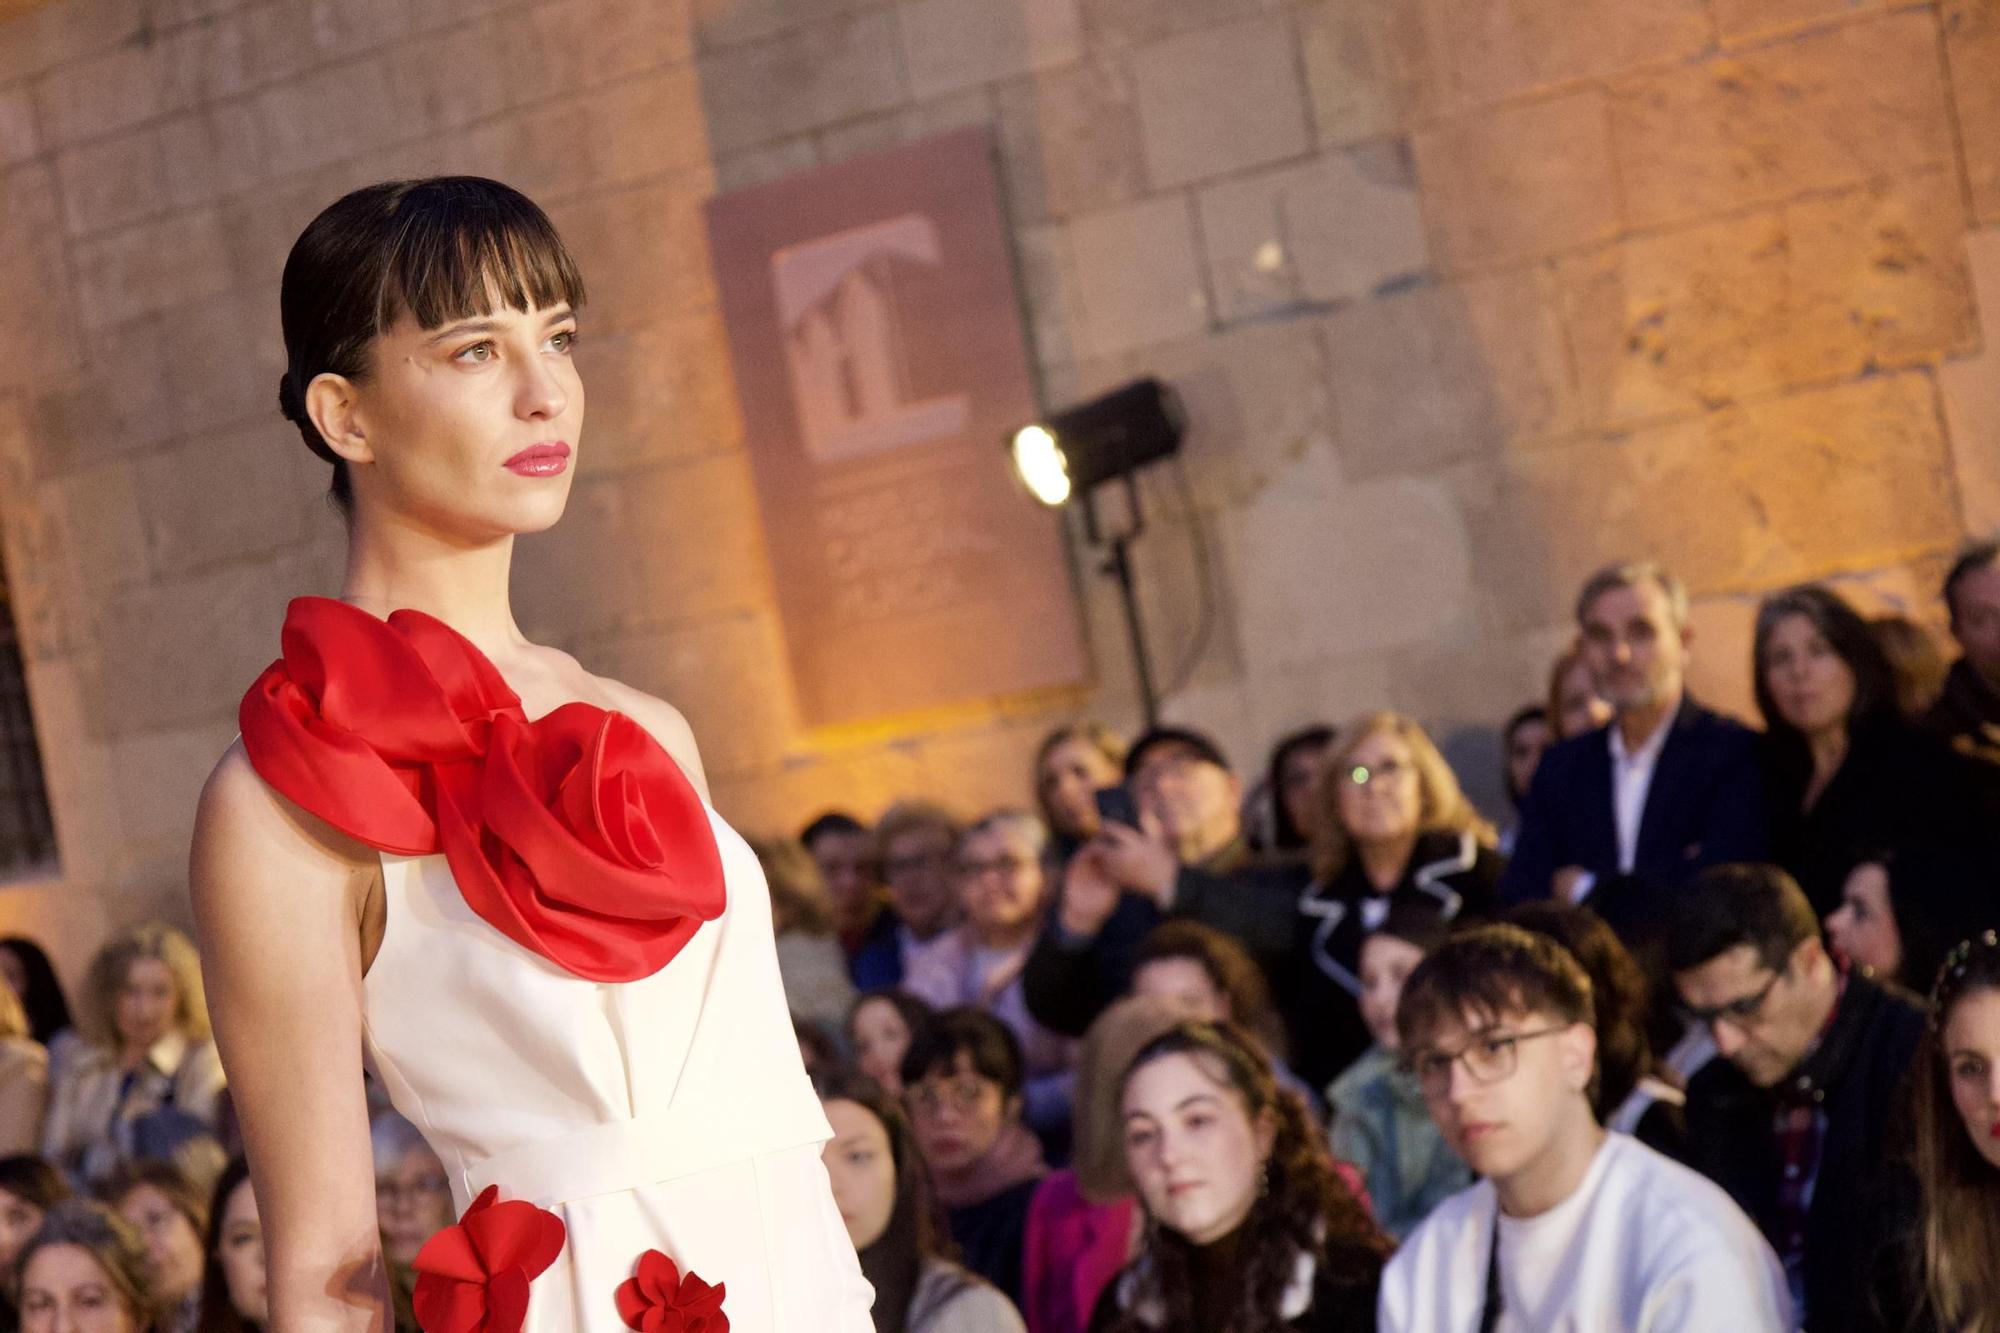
1098 441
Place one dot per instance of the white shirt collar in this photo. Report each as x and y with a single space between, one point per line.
1649 749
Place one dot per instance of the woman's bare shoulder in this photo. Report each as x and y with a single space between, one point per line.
241 813
664 722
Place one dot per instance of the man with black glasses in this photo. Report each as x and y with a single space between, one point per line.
1795 1120
1574 1227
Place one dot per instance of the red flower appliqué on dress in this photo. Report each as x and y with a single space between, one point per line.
473 1277
660 1299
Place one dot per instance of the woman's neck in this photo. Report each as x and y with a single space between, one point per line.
1003 937
395 565
1385 860
1828 747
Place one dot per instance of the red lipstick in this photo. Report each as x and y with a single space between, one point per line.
549 459
1994 1132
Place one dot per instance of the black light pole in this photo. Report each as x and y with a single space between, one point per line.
1118 564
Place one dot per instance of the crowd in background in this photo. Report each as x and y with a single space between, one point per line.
1705 1028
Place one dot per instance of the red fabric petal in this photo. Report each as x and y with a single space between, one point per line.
506 1302
576 835
632 1306
515 1235
444 1306
659 1277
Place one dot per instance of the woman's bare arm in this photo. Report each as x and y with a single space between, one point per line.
282 902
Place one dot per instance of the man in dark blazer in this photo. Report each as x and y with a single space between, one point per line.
1622 816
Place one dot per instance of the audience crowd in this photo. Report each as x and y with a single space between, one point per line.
1702 1032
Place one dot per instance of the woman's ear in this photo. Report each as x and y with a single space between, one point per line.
1267 1135
333 403
1579 1054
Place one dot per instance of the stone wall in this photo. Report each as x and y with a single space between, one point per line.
1466 297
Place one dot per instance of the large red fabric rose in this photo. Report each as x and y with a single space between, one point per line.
473 1277
659 1299
575 835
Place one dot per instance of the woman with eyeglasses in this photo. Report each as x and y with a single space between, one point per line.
412 1203
1398 830
170 1214
962 1082
1248 1226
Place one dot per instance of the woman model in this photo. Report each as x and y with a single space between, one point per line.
495 873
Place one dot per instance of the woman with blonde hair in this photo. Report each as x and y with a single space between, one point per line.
24 1079
1072 764
149 1076
810 963
1396 830
85 1268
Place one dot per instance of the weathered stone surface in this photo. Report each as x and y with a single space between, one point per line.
1502 48
1825 287
103 530
1830 108
1971 390
1123 22
1519 182
808 77
110 182
18 139
643 251
159 781
906 125
232 496
570 46
1783 489
720 23
332 114
101 95
760 166
38 345
212 153
50 35
1053 306
1374 66
1263 119
1972 42
1738 20
1437 374
1069 141
954 44
150 267
1343 225
1137 277
659 393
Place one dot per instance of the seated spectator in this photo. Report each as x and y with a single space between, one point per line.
29 1187
1666 788
879 1185
150 1074
1190 859
85 1268
1523 741
1380 1123
810 963
1247 1217
1795 1120
1397 831
170 1213
1212 978
1572 1226
24 1079
914 844
844 850
818 1051
1943 1270
29 974
881 1028
1575 706
1916 663
1846 772
1083 1221
1002 875
962 1083
1967 712
1900 909
1289 812
1635 1093
233 1291
1071 765
412 1192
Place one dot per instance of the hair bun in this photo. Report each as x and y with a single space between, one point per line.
290 401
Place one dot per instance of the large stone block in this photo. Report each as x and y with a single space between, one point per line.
1069 141
110 182
230 496
659 393
214 152
954 44
38 342
150 267
1341 226
1262 118
983 768
18 138
1972 43
1374 66
1138 279
720 23
44 36
1783 489
158 779
333 113
1053 304
101 95
1519 182
1822 288
1437 374
808 77
907 124
643 251
1740 20
452 77
1123 22
761 166
1829 108
105 532
559 49
1971 389
1503 48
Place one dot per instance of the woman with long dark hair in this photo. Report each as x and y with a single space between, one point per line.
25 966
496 876
1248 1226
85 1271
233 1295
884 1193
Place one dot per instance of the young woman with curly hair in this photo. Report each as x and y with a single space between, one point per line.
1248 1226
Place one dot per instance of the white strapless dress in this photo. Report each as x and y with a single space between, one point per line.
670 1113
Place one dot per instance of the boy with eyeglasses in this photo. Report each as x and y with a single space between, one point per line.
1573 1228
1797 1120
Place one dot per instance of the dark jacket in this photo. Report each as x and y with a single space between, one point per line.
992 1234
1705 807
877 962
1966 715
1898 787
1856 1076
1336 1307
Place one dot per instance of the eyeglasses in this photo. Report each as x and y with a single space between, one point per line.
999 865
394 1192
1386 771
916 863
961 1095
1737 1012
1488 1059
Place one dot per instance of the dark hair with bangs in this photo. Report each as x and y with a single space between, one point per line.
992 1048
438 250
1744 902
1493 970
